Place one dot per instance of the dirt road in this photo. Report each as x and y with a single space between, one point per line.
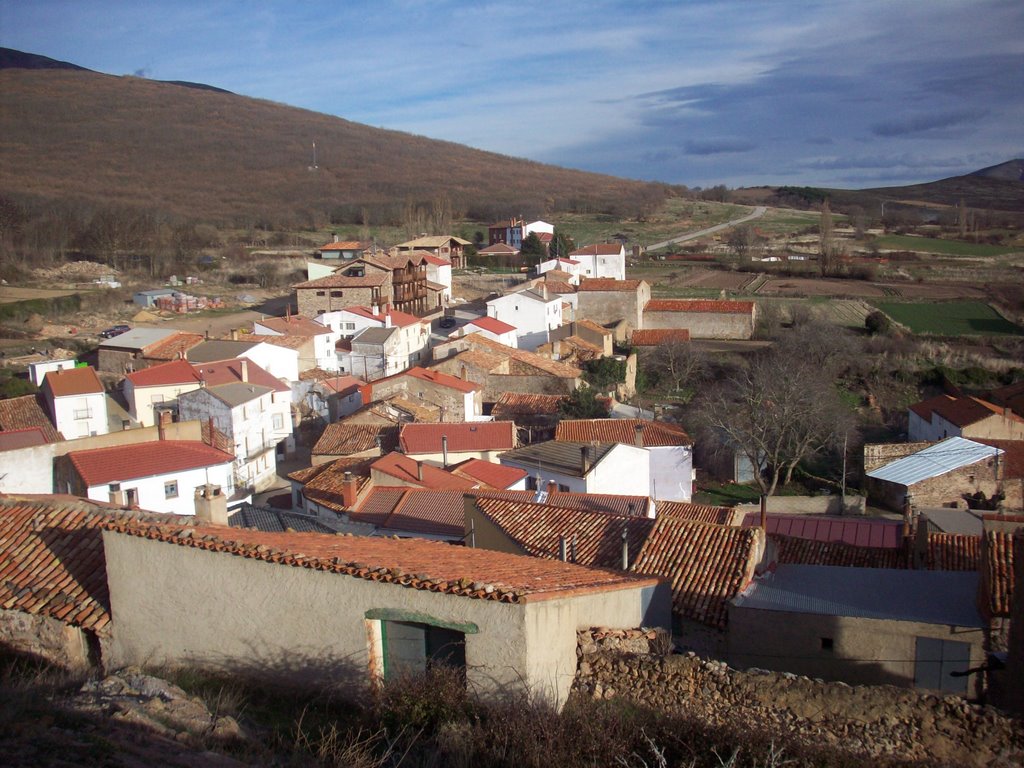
756 214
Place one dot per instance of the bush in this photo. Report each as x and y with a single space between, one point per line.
877 322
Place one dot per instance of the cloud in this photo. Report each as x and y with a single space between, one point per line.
718 146
917 124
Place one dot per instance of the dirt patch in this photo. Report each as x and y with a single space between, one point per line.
9 294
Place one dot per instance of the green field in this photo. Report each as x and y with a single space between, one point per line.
951 318
941 247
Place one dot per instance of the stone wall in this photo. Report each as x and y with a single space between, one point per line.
867 721
703 325
879 454
809 505
48 638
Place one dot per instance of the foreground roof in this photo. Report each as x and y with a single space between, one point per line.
407 470
490 474
934 461
165 374
652 337
655 434
343 439
25 412
98 466
492 324
703 513
997 558
411 563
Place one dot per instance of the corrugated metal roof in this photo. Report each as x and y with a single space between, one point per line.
929 597
137 338
935 460
863 532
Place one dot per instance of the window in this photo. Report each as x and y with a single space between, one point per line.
827 644
563 488
336 294
321 293
171 489
350 326
278 421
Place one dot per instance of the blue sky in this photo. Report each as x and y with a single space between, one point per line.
739 92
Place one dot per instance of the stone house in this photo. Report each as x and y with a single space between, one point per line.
703 318
318 352
962 416
458 399
361 283
141 348
605 301
447 247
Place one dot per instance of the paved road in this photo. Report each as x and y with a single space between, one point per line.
757 213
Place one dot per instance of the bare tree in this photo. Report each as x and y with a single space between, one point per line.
679 362
744 241
826 249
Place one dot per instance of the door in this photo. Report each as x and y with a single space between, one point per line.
935 660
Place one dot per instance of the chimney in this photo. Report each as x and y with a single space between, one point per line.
464 373
245 370
572 549
544 290
234 334
387 319
374 309
116 494
160 426
335 238
632 509
1007 412
908 512
764 513
563 549
638 435
211 505
419 471
552 488
584 460
444 450
625 548
288 312
349 487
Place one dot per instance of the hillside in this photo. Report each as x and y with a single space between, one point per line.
92 139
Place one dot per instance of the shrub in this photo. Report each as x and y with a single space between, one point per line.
877 322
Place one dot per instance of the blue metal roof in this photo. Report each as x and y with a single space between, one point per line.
935 460
928 597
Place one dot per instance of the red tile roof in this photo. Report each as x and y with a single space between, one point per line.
523 362
607 284
706 565
25 412
165 374
412 563
867 532
173 347
370 280
408 471
98 466
343 438
1012 458
511 404
653 337
440 378
498 248
437 261
398 319
796 551
219 372
73 381
51 558
490 474
599 249
998 551
655 434
953 552
700 305
537 528
345 245
702 513
293 325
960 411
322 484
492 324
462 436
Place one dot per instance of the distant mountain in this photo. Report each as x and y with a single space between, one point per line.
89 139
1012 170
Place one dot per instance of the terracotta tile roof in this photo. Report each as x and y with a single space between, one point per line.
51 558
655 433
322 484
700 305
173 347
511 404
370 280
343 438
599 249
437 377
25 412
490 474
560 287
99 466
608 503
462 436
652 337
398 319
582 348
536 528
483 360
865 532
345 245
572 262
960 411
218 372
706 565
433 241
165 374
407 470
522 362
288 342
592 284
590 325
953 552
14 439
796 551
997 577
502 249
699 512
492 324
1012 458
437 261
293 325
400 260
73 381
412 563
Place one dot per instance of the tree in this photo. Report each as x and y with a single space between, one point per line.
533 251
561 245
678 362
826 249
744 242
778 411
583 404
604 373
877 322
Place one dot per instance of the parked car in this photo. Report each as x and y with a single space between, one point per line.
114 330
447 322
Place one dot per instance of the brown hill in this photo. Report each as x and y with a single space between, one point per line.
97 140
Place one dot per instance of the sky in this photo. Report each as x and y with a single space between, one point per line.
861 93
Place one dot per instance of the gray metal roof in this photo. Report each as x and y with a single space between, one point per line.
373 335
935 460
218 349
561 457
928 597
950 520
276 520
137 338
238 393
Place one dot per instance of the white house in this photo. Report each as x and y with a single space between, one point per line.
439 271
452 442
157 388
256 420
964 416
279 361
540 227
533 312
36 371
584 467
491 328
602 260
572 267
400 340
323 338
159 476
77 402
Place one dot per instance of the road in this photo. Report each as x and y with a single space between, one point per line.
757 213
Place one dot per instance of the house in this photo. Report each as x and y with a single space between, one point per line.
458 399
77 402
534 314
570 269
373 607
357 284
493 329
152 390
703 318
501 254
962 416
160 476
439 272
488 474
446 247
253 414
318 352
346 250
536 416
1011 396
127 351
347 440
508 232
601 260
943 474
605 301
670 448
863 626
452 442
332 396
148 298
273 354
382 342
37 370
584 467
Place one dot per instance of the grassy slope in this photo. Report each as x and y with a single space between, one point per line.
953 318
